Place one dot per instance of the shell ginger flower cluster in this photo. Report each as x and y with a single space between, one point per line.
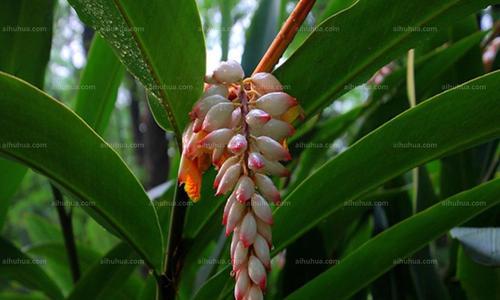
240 126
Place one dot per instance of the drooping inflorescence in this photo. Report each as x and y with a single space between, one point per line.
240 126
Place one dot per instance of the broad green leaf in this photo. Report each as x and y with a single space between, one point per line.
427 282
160 42
106 277
428 69
15 265
26 29
54 254
331 62
22 296
335 6
98 238
426 132
222 284
16 57
99 85
263 28
479 282
359 268
88 169
11 175
148 291
313 145
41 230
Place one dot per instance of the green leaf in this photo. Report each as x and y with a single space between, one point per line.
427 282
263 29
478 281
334 6
220 280
15 265
88 169
316 76
105 278
99 85
435 122
41 230
22 296
19 44
428 69
145 36
54 254
359 268
16 57
11 176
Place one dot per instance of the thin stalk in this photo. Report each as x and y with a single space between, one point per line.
65 219
173 256
412 100
285 36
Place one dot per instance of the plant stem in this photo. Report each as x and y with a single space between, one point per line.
285 36
173 257
412 100
67 229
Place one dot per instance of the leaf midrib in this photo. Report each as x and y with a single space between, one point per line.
163 101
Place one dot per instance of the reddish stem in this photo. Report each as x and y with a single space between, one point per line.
285 36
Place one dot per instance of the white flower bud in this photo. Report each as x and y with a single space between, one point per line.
229 72
276 104
217 138
202 106
218 116
193 148
229 179
245 188
256 118
272 149
261 249
248 229
257 272
276 129
266 83
261 209
216 89
275 168
255 293
222 170
234 217
217 155
240 256
265 231
227 207
234 241
237 144
267 188
256 161
197 124
236 118
242 284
